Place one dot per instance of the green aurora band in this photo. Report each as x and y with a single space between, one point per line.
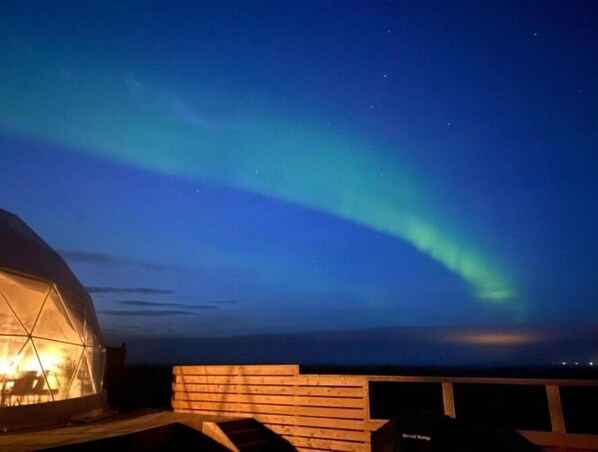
97 112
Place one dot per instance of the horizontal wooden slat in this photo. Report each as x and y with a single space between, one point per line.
232 380
306 421
318 391
321 433
334 402
288 369
341 413
331 380
301 380
481 380
182 408
327 444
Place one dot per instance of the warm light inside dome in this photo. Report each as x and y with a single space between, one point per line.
23 366
47 351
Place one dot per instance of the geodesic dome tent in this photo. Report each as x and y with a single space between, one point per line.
50 341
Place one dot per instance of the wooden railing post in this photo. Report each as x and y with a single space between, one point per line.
448 399
556 410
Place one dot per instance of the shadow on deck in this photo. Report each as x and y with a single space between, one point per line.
159 431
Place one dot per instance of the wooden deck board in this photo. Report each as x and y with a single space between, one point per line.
109 427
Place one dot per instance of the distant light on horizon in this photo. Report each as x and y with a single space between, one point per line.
496 338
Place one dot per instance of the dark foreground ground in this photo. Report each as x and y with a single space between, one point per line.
144 387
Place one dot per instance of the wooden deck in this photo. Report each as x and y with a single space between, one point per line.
312 412
108 427
331 412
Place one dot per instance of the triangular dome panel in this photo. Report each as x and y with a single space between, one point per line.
10 350
91 339
9 324
24 295
76 310
84 383
54 323
74 389
59 362
96 356
27 382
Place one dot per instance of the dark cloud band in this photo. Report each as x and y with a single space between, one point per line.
96 258
142 290
131 313
149 304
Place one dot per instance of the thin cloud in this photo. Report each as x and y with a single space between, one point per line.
206 119
133 85
131 313
89 257
96 258
150 304
141 290
222 301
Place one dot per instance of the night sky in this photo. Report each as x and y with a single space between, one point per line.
339 174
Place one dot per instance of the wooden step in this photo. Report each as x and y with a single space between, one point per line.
249 435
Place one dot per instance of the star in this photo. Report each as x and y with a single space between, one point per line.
385 75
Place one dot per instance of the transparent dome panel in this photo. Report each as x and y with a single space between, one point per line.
84 384
77 311
24 381
59 362
97 356
24 295
91 339
9 324
10 348
54 321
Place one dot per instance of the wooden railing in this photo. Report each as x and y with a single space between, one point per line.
331 412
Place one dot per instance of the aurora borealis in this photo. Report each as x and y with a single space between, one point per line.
293 162
350 165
